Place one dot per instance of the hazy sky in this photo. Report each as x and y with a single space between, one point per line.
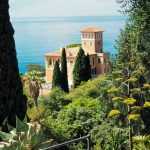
39 8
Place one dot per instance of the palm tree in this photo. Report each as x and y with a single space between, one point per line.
12 100
35 81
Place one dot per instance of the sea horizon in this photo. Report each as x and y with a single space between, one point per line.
66 18
37 35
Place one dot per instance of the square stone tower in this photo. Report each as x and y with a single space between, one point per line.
92 40
92 43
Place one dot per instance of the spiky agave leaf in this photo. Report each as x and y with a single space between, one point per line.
129 101
21 126
114 113
134 117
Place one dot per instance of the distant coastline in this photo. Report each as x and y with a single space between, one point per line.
69 18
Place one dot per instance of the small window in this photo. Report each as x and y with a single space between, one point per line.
91 35
100 36
96 35
99 60
85 35
90 43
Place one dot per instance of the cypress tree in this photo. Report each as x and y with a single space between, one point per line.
87 68
57 80
12 100
79 68
64 74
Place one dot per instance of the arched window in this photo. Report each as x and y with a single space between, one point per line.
71 61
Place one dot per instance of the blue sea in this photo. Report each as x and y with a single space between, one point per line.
36 36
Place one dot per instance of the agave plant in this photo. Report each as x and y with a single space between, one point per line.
26 136
141 142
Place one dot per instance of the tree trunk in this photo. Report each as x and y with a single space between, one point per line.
12 100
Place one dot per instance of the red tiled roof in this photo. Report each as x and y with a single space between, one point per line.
58 54
54 54
92 29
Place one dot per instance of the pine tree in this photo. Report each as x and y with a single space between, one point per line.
12 100
64 74
144 35
129 78
79 68
142 13
57 80
138 11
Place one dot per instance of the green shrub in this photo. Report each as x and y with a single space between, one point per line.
87 89
55 101
35 114
108 137
73 45
75 119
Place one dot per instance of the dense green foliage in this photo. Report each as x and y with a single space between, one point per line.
12 100
57 80
114 109
84 110
82 68
73 45
64 75
78 67
36 67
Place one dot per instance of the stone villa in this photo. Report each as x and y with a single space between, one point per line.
92 43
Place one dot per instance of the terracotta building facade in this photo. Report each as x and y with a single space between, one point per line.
92 44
